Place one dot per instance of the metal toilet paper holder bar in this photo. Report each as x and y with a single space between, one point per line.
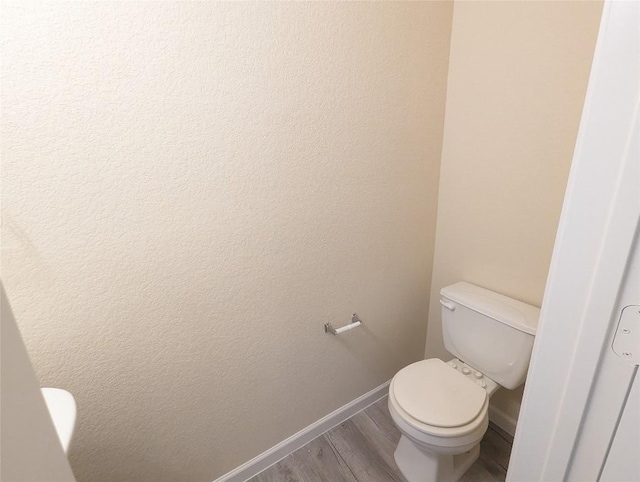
355 322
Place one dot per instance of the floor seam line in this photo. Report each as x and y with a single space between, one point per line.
337 452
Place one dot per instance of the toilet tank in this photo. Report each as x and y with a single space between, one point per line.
490 332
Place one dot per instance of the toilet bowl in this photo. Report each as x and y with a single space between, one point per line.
431 451
441 408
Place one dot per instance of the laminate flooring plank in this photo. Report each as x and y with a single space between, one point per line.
479 472
361 450
376 425
282 471
379 413
360 443
318 461
488 467
491 468
494 446
507 436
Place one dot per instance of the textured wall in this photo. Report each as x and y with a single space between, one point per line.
518 74
191 190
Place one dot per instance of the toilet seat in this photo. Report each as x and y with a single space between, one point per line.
465 425
435 394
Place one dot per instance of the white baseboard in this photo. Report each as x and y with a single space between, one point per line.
502 420
304 436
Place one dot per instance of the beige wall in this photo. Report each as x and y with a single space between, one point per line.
518 73
191 190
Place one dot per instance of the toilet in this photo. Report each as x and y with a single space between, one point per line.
441 408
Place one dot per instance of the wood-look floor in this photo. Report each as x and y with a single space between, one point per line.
361 450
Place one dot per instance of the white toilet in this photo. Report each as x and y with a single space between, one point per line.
442 408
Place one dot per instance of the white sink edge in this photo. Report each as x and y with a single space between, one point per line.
62 408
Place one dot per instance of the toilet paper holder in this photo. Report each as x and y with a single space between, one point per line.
355 322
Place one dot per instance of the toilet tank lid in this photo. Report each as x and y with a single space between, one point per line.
514 313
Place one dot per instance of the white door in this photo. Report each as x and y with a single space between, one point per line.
580 416
30 449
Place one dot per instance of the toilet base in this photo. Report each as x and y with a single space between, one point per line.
420 465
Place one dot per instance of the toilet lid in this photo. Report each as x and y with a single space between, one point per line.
435 394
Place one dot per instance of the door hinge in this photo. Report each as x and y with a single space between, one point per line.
626 341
